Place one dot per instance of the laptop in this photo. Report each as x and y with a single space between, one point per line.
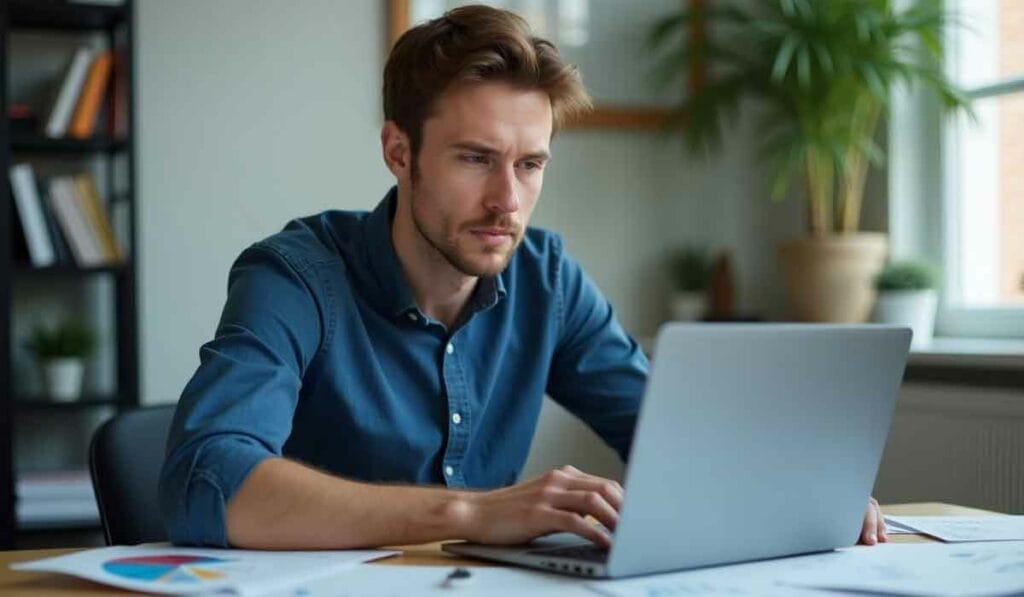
754 441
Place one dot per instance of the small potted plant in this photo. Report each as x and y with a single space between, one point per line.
907 296
691 275
61 352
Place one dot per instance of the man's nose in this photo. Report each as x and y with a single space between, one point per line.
503 196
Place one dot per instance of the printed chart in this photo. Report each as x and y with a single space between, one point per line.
183 569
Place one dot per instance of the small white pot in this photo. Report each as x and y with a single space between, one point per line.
688 305
913 308
63 378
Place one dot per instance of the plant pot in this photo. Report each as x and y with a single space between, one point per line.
687 305
832 279
912 308
63 378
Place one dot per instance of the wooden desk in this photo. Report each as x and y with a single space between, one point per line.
40 583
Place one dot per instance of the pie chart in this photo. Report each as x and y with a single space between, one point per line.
167 568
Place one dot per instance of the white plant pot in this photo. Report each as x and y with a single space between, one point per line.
63 378
913 308
688 305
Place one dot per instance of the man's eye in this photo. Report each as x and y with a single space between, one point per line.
474 158
531 165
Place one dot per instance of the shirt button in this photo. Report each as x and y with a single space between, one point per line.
449 471
450 348
412 317
456 418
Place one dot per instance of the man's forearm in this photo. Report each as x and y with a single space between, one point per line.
286 505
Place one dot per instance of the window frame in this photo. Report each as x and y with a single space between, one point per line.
923 201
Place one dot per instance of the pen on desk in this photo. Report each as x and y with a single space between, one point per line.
457 578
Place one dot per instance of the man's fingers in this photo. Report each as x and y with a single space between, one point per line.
882 536
587 502
868 533
574 523
610 490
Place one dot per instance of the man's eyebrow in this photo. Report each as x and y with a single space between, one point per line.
487 150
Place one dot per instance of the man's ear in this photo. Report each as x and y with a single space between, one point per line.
397 150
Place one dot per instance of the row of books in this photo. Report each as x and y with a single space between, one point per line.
71 226
91 76
58 498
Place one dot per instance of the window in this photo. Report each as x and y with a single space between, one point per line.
962 181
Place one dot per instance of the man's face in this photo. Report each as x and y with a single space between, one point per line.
479 172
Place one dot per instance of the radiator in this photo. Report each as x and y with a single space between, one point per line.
956 444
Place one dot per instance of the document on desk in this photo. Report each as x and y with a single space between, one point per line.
953 529
180 570
906 569
753 578
921 569
399 581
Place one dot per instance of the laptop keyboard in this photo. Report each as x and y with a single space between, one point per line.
587 553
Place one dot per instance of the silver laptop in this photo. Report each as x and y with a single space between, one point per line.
754 441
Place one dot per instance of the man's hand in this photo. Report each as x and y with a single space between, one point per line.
556 501
873 530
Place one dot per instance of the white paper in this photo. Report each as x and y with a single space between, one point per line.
907 569
893 527
920 569
953 529
400 581
754 578
181 570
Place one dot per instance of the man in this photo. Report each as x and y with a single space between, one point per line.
376 377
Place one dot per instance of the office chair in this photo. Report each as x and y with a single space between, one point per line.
125 457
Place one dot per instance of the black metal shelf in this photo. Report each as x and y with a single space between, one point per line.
115 23
62 15
65 146
44 403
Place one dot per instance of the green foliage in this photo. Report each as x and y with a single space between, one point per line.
691 269
907 275
69 339
824 70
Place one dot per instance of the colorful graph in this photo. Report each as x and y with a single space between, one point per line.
166 569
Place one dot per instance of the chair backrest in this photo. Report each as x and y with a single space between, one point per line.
125 458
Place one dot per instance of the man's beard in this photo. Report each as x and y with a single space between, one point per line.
449 250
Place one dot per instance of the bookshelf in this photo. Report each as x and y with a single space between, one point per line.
27 415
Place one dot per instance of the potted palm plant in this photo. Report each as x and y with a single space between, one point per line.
907 296
824 70
61 353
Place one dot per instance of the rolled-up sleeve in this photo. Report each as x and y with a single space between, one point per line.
598 371
237 409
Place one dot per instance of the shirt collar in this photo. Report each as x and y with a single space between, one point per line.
396 296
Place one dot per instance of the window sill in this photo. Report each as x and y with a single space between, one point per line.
984 362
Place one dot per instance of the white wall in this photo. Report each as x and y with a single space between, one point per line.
254 112
250 113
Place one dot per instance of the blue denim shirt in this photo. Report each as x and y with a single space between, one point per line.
322 356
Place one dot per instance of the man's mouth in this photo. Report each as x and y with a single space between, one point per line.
493 236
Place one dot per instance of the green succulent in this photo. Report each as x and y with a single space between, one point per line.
70 339
691 269
907 275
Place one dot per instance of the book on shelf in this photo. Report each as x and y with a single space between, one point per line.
87 110
97 216
68 93
30 214
65 204
63 484
84 220
117 107
56 498
60 244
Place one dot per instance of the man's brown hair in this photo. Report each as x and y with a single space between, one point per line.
474 44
